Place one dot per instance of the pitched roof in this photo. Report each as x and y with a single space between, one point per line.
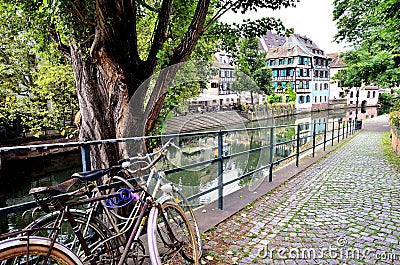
271 40
286 51
336 61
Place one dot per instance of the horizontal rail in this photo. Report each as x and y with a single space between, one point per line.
327 136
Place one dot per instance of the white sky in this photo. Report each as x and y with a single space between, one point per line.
312 18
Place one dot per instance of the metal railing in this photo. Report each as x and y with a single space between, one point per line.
339 130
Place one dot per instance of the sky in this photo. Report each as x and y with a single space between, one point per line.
312 18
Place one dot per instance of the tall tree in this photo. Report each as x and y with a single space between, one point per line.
373 27
104 41
251 74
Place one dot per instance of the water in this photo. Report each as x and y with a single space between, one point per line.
197 149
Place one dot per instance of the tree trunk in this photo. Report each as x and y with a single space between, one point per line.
113 81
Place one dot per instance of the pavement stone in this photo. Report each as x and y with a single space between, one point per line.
344 209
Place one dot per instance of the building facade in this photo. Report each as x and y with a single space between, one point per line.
365 95
219 93
300 64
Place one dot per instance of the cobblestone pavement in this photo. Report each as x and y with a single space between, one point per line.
345 209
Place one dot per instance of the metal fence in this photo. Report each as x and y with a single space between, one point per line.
332 132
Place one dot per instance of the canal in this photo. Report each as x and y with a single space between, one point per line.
192 149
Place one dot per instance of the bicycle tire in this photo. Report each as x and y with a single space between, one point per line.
97 232
183 202
15 251
162 246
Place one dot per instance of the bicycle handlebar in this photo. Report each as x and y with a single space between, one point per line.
127 162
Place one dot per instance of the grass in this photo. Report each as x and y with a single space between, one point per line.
391 156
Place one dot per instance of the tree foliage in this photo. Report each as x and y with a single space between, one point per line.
274 98
251 74
374 29
290 94
37 84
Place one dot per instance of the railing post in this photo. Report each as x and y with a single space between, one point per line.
347 129
220 172
298 145
338 132
313 139
271 152
325 129
343 131
333 131
85 154
351 127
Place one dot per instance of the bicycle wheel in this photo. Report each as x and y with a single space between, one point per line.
170 236
181 200
34 250
96 234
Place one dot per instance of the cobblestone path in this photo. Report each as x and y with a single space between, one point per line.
345 209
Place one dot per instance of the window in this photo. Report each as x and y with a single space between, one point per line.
291 72
275 84
303 60
316 86
326 74
275 73
221 73
368 94
281 61
320 86
326 86
290 60
351 95
373 94
308 99
315 99
320 98
301 99
282 72
283 84
325 99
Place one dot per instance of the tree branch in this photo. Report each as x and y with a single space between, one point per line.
220 13
196 28
64 49
160 35
143 3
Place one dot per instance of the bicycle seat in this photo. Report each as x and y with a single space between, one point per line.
56 189
91 175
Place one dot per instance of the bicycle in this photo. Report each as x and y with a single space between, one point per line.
89 216
161 181
159 211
